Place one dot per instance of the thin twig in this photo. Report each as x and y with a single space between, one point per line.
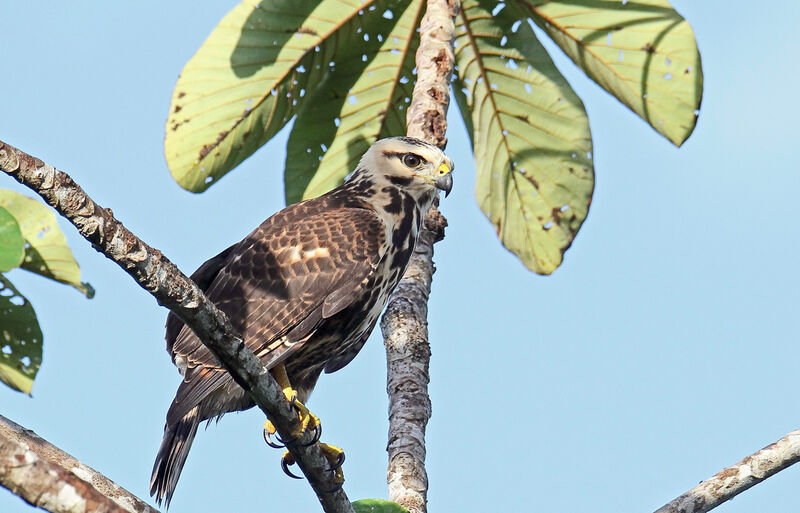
405 325
171 288
732 481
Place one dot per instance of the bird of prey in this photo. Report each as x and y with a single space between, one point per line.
304 289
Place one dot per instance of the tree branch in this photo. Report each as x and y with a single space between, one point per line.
732 481
171 288
46 477
405 325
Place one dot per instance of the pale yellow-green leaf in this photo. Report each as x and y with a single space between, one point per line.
363 99
12 244
20 339
46 251
529 131
641 51
247 80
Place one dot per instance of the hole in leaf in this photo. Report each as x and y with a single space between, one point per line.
667 76
388 14
6 349
337 121
515 26
498 8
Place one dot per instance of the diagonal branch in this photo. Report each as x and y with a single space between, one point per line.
405 325
171 288
45 476
732 481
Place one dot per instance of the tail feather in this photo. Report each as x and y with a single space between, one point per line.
172 455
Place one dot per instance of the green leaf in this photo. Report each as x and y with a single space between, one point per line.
362 99
12 244
641 51
20 339
377 506
258 66
47 252
529 131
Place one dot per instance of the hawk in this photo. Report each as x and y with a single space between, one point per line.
304 289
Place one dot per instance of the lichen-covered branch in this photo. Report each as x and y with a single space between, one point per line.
732 481
405 325
45 476
171 288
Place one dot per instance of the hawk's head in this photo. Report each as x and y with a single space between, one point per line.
417 167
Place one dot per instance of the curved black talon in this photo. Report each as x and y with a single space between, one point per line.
286 470
274 445
339 462
317 435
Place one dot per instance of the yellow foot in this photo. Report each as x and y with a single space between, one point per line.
335 457
333 454
308 421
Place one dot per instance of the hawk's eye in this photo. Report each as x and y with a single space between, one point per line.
411 160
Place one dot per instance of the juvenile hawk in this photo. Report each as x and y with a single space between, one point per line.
304 289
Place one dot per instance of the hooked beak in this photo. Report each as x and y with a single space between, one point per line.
444 183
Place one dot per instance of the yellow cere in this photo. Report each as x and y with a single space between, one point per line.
444 169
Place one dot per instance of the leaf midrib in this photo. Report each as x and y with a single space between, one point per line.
282 77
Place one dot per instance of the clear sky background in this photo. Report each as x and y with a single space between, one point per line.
664 349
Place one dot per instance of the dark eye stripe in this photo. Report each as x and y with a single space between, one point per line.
398 155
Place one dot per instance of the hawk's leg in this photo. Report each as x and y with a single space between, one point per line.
308 420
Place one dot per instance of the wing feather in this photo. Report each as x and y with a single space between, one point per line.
302 265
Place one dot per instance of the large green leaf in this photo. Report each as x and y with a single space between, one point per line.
529 133
377 506
12 244
20 339
641 51
361 100
46 250
245 83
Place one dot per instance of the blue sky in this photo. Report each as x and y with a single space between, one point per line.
663 350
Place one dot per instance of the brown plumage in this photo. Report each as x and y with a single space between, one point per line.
304 289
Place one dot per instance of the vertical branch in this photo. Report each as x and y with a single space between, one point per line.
405 325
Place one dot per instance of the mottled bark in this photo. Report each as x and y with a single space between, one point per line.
45 476
405 325
171 288
732 481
